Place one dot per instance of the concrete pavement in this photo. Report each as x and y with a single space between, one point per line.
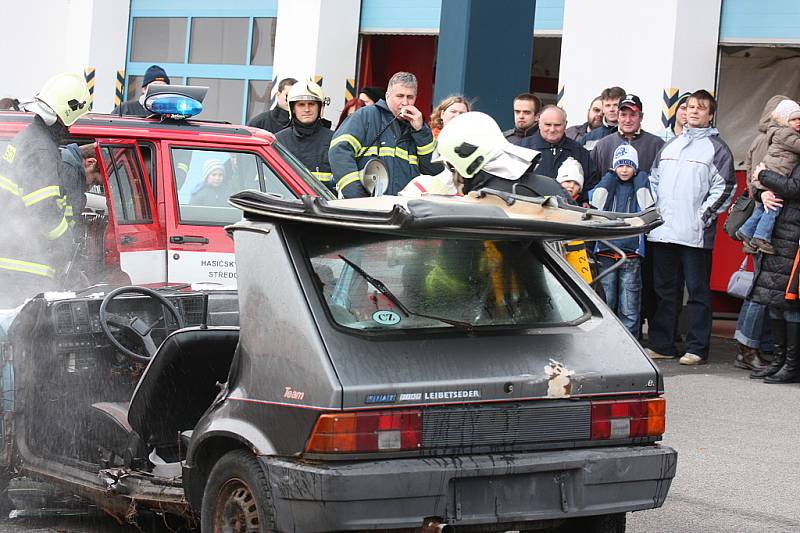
738 443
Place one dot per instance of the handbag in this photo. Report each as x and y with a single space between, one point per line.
738 213
741 281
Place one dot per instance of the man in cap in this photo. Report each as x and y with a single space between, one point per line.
154 75
629 131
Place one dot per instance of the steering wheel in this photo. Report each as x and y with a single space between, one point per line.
137 326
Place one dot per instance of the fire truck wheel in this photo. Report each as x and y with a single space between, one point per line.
237 496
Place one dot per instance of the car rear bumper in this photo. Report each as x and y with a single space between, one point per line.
468 490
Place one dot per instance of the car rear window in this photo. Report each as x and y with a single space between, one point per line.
407 283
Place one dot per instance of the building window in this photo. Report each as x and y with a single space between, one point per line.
224 101
158 39
231 55
219 41
258 97
263 47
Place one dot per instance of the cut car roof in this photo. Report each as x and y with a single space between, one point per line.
485 213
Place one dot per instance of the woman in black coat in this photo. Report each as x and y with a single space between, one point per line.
772 276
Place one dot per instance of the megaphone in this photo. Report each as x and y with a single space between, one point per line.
374 177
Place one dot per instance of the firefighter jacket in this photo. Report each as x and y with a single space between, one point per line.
73 182
310 145
371 132
36 239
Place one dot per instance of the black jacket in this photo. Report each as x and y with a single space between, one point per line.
273 120
310 145
373 131
553 155
773 271
132 108
517 136
212 196
36 239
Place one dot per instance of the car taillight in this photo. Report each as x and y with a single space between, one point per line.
620 419
367 431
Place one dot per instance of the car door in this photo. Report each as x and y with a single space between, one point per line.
201 177
136 234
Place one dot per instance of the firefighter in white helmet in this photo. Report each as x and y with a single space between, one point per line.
308 135
473 145
36 241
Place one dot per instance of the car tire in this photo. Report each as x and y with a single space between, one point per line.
237 496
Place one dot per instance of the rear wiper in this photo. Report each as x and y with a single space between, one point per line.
383 289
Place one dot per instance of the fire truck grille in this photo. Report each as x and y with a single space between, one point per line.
506 424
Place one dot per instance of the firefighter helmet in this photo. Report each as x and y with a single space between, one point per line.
469 141
67 95
307 91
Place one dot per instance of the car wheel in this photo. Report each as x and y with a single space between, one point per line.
236 497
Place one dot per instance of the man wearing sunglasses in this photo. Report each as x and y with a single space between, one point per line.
36 241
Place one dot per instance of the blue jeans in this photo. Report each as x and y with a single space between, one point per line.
753 328
669 262
760 223
623 289
787 315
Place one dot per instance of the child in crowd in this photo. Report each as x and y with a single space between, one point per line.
783 154
570 176
213 190
625 189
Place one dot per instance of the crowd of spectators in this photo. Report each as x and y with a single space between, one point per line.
610 163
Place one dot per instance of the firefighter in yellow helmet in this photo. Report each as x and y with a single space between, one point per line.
36 240
308 135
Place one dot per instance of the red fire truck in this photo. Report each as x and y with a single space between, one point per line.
151 225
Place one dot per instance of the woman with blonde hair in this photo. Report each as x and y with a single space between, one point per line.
450 107
447 182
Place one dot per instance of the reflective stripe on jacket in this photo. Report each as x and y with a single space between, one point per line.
310 145
36 238
406 153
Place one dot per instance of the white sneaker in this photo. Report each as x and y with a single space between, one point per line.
655 355
691 359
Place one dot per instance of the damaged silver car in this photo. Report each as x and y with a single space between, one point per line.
387 364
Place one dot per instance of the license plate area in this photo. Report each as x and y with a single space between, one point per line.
511 497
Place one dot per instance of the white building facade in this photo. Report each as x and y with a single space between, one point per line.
743 51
